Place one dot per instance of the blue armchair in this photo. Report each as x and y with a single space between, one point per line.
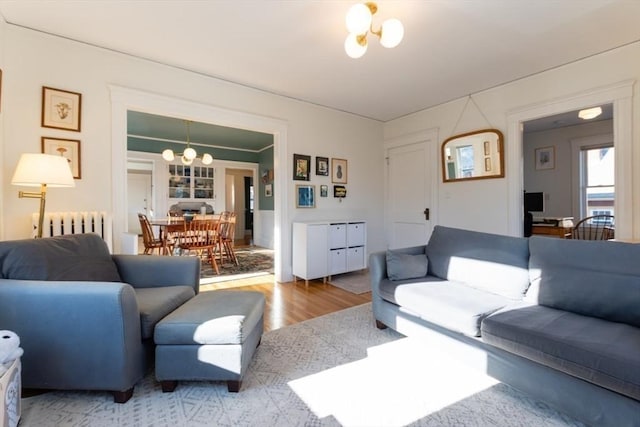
85 317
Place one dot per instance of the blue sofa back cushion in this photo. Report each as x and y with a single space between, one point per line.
490 262
82 257
401 266
592 278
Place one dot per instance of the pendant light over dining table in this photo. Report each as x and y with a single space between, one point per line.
189 154
360 23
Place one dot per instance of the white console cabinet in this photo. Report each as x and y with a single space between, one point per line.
324 248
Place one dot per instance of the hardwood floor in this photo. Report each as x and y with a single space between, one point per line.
289 303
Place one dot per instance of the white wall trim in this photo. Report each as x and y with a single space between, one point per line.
620 94
124 99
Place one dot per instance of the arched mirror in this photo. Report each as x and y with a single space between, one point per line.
473 155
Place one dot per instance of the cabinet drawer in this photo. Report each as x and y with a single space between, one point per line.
355 234
355 258
337 261
337 236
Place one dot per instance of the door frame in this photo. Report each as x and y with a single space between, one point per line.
621 96
429 137
125 99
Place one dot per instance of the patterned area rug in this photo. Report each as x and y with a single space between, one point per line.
333 370
356 282
252 260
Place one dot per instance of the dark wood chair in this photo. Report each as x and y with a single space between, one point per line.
150 241
201 237
596 227
227 233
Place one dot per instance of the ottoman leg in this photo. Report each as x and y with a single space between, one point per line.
168 386
234 386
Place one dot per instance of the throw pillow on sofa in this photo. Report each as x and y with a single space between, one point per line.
401 266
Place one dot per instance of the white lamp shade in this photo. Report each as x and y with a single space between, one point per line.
189 153
207 159
392 33
358 19
354 49
36 169
168 155
590 113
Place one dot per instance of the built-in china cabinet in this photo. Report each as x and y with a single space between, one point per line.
190 182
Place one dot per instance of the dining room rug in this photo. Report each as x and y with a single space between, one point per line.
338 369
252 260
356 282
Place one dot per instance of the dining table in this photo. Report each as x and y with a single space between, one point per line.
176 224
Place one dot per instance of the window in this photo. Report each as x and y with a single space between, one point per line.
465 161
598 176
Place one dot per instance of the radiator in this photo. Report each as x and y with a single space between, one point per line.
59 223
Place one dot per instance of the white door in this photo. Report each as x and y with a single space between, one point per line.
408 194
138 199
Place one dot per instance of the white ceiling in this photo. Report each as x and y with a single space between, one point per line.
451 48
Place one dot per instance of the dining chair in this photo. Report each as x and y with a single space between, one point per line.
150 241
200 236
596 227
227 236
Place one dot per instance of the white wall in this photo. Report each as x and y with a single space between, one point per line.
33 60
485 205
3 97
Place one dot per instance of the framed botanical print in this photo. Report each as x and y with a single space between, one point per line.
61 109
339 171
301 167
67 148
545 158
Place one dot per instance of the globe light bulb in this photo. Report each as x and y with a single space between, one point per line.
189 153
207 159
168 155
353 48
392 33
358 19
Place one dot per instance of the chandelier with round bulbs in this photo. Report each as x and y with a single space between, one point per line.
360 24
188 155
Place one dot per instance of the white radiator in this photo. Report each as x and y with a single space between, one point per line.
59 223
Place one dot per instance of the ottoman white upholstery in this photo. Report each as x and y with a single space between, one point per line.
211 337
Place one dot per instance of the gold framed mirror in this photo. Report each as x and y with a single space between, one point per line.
473 155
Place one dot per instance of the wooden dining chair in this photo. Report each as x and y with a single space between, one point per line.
596 227
200 236
226 237
150 241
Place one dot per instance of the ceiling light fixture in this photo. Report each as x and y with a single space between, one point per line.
360 24
590 113
188 155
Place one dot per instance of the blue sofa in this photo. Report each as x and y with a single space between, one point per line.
85 317
557 319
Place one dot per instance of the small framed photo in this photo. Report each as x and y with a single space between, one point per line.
305 196
268 190
487 164
339 191
67 148
545 158
301 167
487 148
324 190
339 171
61 109
322 166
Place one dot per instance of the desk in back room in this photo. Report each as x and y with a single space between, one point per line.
551 231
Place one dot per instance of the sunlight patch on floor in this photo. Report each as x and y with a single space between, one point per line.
396 384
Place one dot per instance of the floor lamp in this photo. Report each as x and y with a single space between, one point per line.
43 170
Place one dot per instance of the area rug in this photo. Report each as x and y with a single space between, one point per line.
356 282
251 260
333 370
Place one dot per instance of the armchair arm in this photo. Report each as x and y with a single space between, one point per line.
148 271
75 335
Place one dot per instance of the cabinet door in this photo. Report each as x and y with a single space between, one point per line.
337 261
337 236
355 234
355 258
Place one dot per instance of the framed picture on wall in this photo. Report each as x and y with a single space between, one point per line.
67 148
324 190
339 171
305 196
301 167
61 109
322 166
268 190
545 158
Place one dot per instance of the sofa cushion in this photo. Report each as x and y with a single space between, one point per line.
402 266
156 303
593 278
490 262
602 352
449 304
77 257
